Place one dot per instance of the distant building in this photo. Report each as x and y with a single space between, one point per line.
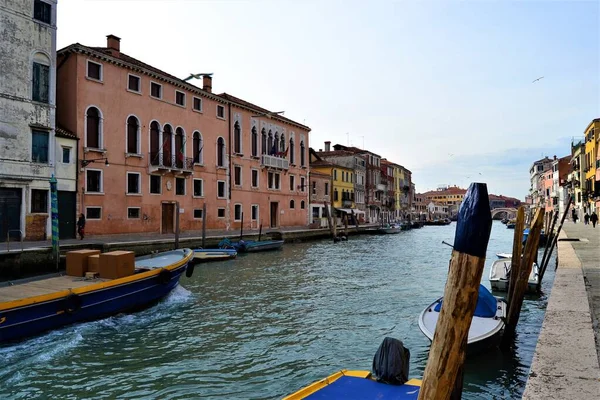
561 167
320 194
451 197
536 189
591 188
576 177
437 210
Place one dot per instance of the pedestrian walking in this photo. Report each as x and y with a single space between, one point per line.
586 219
574 216
81 226
594 219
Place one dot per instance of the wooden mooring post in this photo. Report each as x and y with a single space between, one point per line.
204 225
329 223
554 241
346 225
242 227
441 378
515 262
177 225
259 231
549 240
520 286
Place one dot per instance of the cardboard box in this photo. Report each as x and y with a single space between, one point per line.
117 264
93 263
77 261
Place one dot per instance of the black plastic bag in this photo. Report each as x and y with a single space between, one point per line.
391 362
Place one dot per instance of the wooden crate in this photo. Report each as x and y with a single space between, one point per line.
117 264
77 261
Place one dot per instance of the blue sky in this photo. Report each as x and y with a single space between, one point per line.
443 88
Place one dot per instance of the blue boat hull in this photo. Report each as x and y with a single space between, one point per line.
29 320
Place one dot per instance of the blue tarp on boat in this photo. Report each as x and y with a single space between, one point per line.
350 387
486 304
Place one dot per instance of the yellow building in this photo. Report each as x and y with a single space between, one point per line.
342 178
592 133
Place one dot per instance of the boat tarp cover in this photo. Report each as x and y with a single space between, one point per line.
350 387
486 304
391 362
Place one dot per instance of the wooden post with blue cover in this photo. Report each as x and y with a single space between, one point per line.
54 215
515 263
448 348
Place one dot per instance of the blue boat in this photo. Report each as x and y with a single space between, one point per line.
206 255
251 246
32 306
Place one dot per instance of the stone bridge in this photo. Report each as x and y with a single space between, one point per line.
510 213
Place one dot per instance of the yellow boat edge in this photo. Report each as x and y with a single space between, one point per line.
97 286
316 386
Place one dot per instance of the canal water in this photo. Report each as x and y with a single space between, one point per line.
265 325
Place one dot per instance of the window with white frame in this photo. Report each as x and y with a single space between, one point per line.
179 98
180 186
41 78
133 183
237 138
155 184
198 188
39 201
220 212
254 212
302 205
133 213
292 204
274 180
220 112
237 212
221 189
42 11
197 104
302 184
198 148
292 183
66 155
220 152
133 135
93 181
198 213
93 128
254 178
94 70
237 175
134 83
92 213
314 187
156 90
39 146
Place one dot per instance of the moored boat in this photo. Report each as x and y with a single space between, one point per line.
500 275
206 255
487 324
251 246
389 229
504 255
32 306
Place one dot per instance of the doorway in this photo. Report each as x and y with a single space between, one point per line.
66 214
168 212
10 213
274 213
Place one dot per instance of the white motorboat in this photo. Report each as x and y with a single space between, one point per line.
486 326
504 255
500 276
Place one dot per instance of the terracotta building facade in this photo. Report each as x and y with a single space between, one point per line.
153 147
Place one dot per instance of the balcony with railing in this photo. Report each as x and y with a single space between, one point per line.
274 162
165 162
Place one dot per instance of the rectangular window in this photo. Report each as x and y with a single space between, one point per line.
66 155
93 212
180 186
42 11
180 98
198 188
94 70
335 174
93 181
134 83
39 201
197 213
220 213
254 178
133 212
237 212
302 185
41 82
39 146
315 212
314 188
277 176
133 183
254 212
155 90
237 175
292 183
220 111
326 188
155 184
197 104
221 189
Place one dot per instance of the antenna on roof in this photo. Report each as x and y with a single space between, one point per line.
197 76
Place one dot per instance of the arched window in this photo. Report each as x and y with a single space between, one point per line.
40 78
254 142
179 147
302 154
292 204
220 152
276 144
167 148
237 138
154 143
292 155
282 143
302 205
133 132
93 126
263 141
270 143
198 145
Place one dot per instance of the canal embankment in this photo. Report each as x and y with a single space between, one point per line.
22 259
566 360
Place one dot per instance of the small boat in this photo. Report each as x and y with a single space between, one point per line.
32 306
206 255
500 274
543 237
388 381
389 229
251 246
510 225
486 326
504 255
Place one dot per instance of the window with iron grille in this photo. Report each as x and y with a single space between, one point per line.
39 201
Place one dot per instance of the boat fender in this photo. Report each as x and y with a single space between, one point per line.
72 303
189 271
164 276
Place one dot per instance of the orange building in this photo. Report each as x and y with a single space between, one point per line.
150 141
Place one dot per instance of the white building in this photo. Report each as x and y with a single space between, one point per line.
27 116
437 210
536 171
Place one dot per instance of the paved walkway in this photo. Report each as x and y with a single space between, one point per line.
566 360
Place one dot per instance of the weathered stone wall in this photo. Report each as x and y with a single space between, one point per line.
36 226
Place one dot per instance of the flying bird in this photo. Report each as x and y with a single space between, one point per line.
535 80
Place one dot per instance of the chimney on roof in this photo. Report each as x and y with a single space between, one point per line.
207 83
113 44
328 146
555 156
